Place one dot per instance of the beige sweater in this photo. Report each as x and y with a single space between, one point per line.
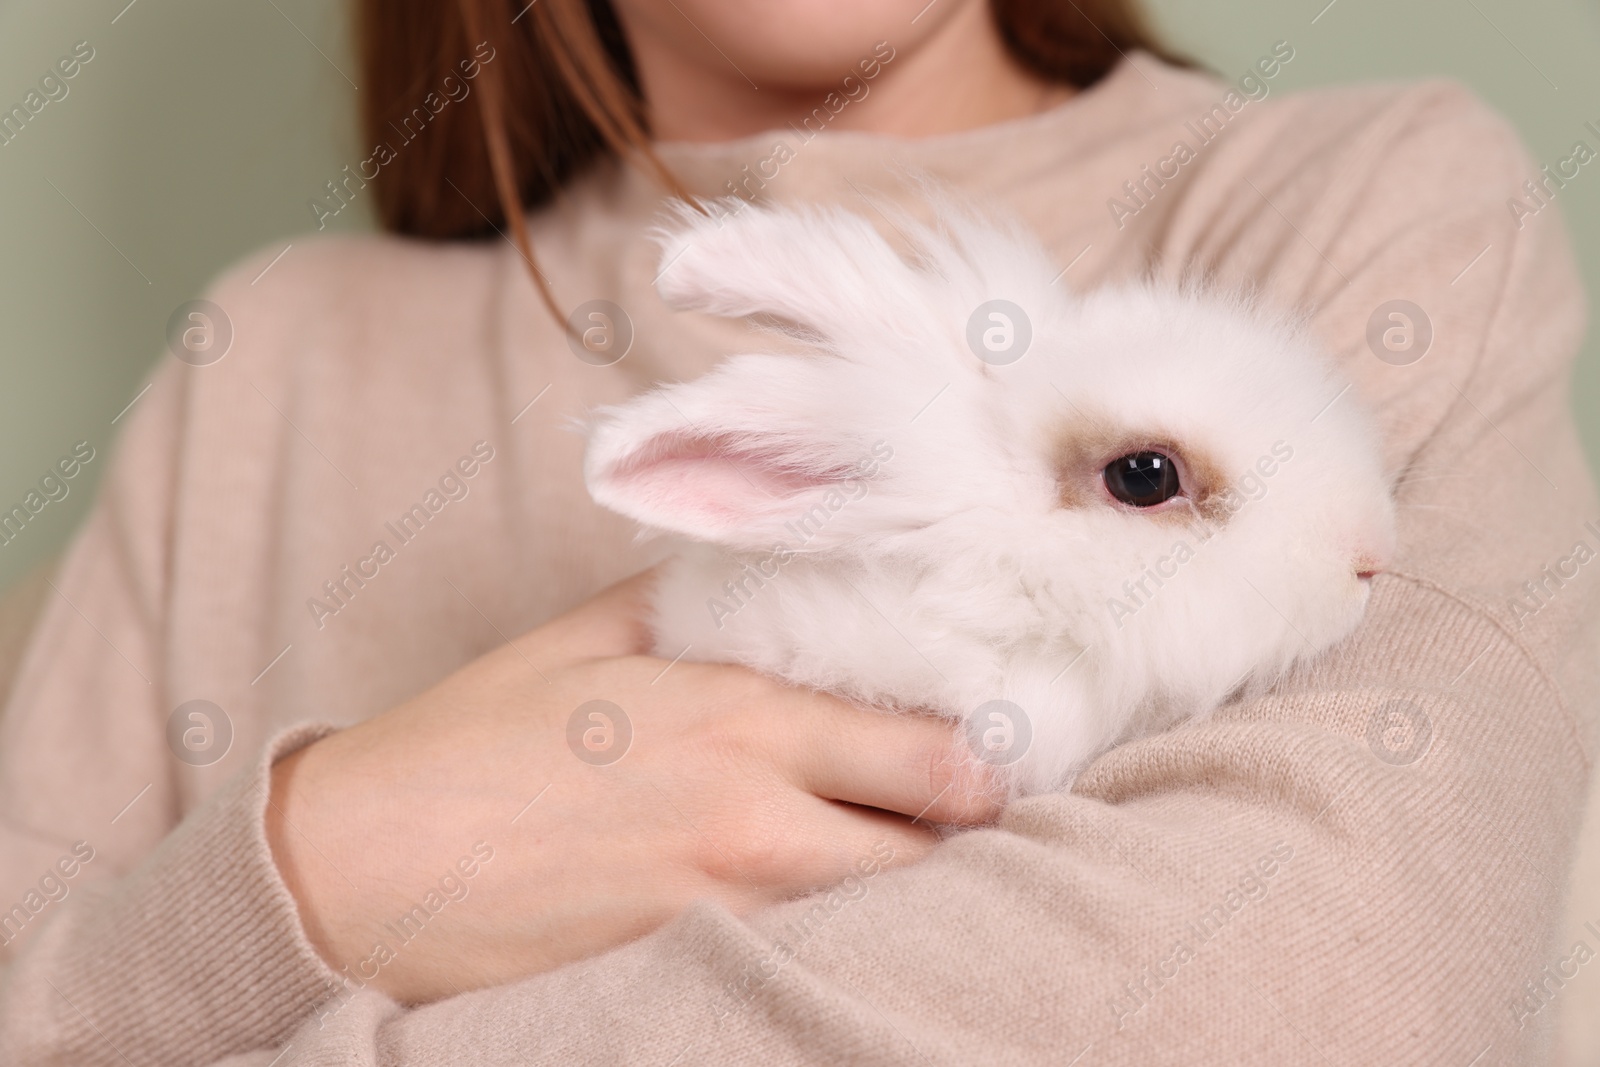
1365 866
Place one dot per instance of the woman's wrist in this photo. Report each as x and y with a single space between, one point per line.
291 800
285 853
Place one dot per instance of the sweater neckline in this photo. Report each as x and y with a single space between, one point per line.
1125 92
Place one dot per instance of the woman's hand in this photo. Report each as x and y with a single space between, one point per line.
733 787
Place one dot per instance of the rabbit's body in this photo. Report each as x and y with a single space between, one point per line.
907 524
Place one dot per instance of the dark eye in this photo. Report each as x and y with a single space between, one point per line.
1143 479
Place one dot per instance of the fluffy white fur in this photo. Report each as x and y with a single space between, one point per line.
911 527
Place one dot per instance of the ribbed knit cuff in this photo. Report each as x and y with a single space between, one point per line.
196 954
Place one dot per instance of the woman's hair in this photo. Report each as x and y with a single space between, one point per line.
516 97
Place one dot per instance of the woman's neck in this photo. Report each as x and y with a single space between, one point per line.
952 74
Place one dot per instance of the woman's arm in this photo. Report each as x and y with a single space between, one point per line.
734 788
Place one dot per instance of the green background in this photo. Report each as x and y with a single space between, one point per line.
202 127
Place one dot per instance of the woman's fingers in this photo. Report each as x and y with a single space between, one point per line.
612 624
915 765
859 841
910 764
803 844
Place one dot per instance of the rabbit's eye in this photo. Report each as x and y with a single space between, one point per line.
1143 479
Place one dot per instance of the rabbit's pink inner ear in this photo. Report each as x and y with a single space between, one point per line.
714 487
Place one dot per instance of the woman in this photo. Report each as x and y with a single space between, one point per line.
288 774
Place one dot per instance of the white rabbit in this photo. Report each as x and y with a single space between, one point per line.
1062 522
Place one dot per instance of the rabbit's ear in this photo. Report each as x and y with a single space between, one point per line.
824 269
730 459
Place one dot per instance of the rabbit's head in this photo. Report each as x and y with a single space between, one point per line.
1172 486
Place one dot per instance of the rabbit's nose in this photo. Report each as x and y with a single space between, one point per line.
1372 551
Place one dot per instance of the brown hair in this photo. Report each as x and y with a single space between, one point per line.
555 90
